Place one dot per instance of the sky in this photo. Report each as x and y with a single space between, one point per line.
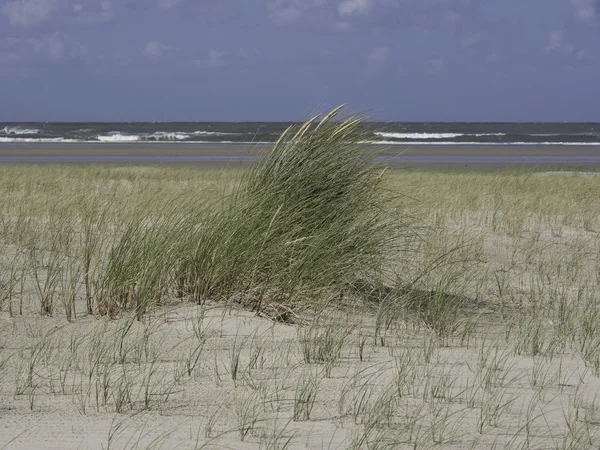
279 60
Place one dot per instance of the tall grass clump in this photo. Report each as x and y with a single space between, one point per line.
139 268
305 221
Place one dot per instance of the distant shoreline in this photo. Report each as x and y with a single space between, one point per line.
470 157
257 133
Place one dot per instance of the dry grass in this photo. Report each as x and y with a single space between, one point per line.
488 336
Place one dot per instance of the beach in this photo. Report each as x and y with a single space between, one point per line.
482 332
299 224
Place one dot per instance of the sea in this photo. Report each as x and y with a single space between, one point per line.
388 133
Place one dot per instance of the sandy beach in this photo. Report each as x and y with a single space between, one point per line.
513 355
435 157
311 302
503 353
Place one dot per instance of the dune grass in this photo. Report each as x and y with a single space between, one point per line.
465 314
298 227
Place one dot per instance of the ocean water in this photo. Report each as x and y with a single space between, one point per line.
388 133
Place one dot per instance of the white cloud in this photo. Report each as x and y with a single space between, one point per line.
216 59
30 13
379 56
350 7
27 13
288 11
287 14
155 50
55 47
249 54
99 13
557 43
585 10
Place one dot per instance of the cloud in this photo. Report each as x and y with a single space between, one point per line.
55 48
586 10
32 13
155 50
379 56
557 43
250 54
581 55
392 14
29 13
99 13
435 65
288 11
350 7
242 58
215 58
469 43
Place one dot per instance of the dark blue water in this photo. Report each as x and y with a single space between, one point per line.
256 132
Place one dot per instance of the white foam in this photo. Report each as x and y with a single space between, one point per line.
118 137
433 135
27 140
164 135
476 143
19 130
419 135
211 133
115 140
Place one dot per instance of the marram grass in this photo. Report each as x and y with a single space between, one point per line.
303 223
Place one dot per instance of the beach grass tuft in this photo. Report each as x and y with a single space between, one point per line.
300 225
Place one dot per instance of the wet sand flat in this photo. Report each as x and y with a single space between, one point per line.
436 157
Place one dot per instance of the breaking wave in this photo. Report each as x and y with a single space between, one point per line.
390 133
18 131
118 137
